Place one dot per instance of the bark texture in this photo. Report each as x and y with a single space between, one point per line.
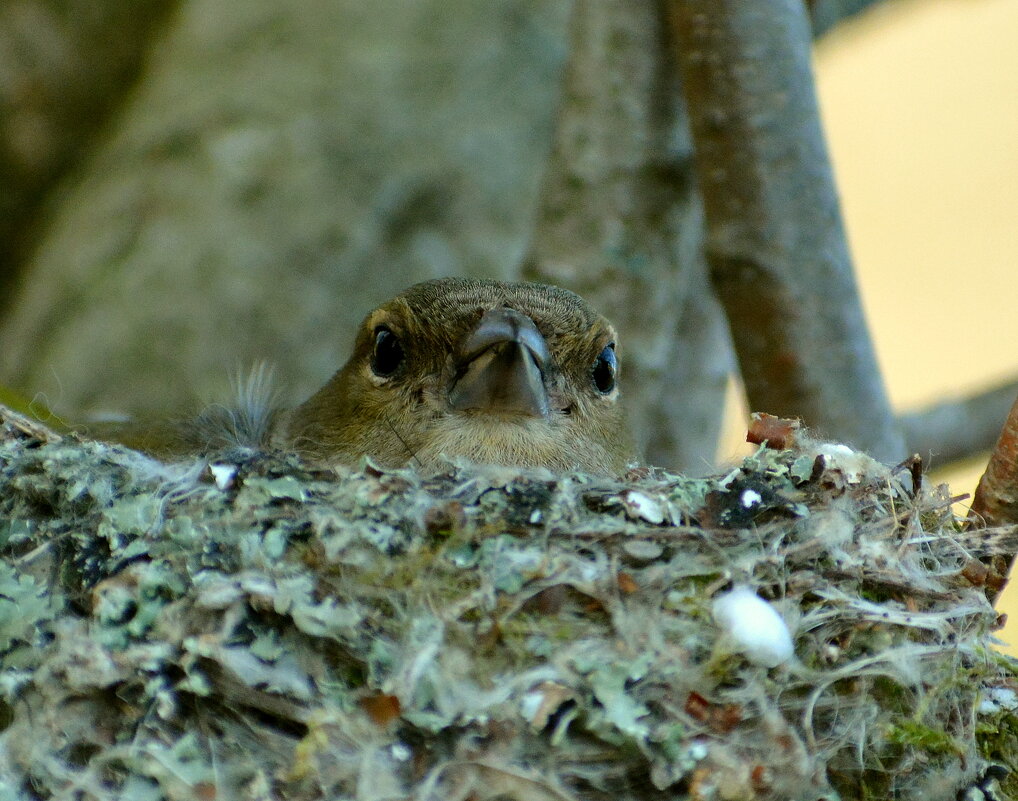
996 499
66 65
620 220
276 174
775 243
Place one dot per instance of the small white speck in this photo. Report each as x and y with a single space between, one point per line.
753 627
643 550
535 517
854 465
750 498
400 752
998 698
697 751
643 507
1005 696
530 703
589 571
223 474
218 594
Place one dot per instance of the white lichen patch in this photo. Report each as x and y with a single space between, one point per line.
750 498
641 506
223 475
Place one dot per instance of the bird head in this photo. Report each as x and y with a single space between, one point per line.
496 373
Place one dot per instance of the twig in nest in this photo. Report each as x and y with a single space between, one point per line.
14 421
914 465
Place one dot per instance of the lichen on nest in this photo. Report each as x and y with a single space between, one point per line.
254 627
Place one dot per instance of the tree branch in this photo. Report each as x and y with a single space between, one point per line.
828 14
66 66
775 244
620 222
996 499
958 428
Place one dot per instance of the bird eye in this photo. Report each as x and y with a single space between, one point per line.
605 367
388 353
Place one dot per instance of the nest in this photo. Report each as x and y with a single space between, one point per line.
251 627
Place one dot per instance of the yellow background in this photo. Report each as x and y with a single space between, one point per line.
920 103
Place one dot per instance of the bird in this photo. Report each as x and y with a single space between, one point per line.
489 372
506 373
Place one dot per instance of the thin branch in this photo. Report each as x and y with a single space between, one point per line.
775 242
828 14
958 428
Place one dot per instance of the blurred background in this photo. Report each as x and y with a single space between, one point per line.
926 154
184 191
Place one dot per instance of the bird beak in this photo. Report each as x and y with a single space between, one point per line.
501 367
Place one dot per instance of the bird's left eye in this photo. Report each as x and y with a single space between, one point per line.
605 367
388 353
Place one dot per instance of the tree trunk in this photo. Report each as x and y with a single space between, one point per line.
620 221
276 174
66 65
776 246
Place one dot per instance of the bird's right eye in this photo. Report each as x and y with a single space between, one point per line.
605 367
388 354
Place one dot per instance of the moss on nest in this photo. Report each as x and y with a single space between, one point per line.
253 627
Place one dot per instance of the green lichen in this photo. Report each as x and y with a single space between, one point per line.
297 633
